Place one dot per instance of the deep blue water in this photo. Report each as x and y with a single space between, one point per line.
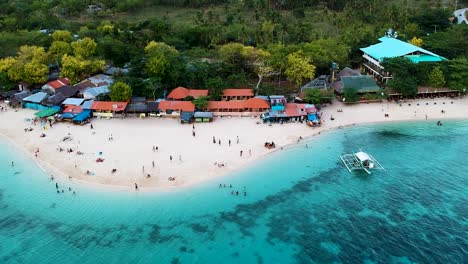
302 206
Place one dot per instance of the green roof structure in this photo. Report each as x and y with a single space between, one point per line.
391 47
47 112
362 84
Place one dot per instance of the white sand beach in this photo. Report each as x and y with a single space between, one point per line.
193 158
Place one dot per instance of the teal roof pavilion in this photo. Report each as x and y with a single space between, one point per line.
391 47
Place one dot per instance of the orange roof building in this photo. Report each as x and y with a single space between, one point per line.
54 85
73 109
225 106
180 93
109 106
237 94
180 106
256 105
250 105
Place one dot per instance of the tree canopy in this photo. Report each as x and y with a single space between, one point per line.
120 92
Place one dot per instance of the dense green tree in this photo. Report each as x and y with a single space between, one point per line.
84 48
436 78
451 43
62 35
215 87
433 20
325 51
350 95
120 92
201 102
404 72
76 68
60 48
299 68
30 65
458 74
313 96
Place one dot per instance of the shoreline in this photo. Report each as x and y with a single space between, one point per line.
198 170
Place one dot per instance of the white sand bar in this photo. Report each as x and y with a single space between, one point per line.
133 141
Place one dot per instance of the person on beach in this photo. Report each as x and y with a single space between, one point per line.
180 158
193 133
91 126
237 139
219 142
157 148
241 153
136 186
214 140
143 169
229 142
154 148
250 152
12 163
153 163
193 126
170 158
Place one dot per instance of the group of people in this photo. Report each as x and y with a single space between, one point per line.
229 141
233 192
57 186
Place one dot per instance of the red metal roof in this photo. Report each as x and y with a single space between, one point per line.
182 92
109 106
59 83
74 109
185 106
291 110
238 92
256 103
225 105
307 108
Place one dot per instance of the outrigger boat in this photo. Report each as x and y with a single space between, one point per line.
361 161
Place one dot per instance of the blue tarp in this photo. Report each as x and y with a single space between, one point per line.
312 117
68 115
186 116
82 116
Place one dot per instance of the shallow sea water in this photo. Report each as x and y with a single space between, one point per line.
302 206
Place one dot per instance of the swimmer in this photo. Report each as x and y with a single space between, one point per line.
69 189
56 185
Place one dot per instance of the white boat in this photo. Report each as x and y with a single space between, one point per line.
361 161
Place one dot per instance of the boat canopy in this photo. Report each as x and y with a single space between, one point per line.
362 156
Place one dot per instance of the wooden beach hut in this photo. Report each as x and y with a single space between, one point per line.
203 116
108 109
237 94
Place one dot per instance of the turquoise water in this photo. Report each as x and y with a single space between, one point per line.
302 206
